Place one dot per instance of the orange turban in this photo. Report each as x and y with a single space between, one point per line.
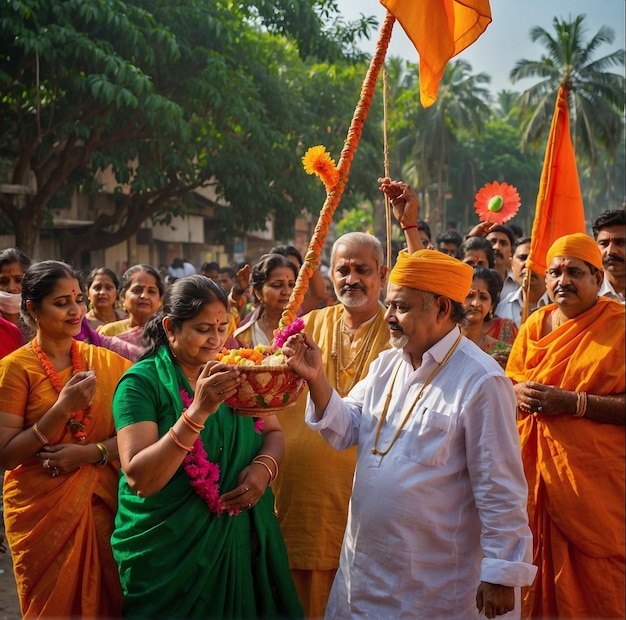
433 271
578 245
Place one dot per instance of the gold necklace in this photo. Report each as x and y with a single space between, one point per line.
383 416
358 359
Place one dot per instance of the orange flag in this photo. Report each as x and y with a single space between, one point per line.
559 209
439 30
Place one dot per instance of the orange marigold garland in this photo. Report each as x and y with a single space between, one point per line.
333 197
79 420
317 161
497 202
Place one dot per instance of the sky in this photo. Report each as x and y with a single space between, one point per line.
506 40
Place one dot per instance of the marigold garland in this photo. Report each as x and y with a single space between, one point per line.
317 161
79 420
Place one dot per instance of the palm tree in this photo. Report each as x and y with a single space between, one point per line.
462 103
596 96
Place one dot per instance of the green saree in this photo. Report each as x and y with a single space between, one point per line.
177 559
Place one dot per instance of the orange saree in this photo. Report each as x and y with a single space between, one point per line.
574 466
58 529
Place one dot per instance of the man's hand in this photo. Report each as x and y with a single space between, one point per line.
494 600
481 230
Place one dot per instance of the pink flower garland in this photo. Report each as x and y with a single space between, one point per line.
204 475
293 328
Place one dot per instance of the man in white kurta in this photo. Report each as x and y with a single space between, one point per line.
437 525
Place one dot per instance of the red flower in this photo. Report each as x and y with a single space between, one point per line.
497 202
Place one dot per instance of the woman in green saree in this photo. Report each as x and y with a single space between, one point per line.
195 533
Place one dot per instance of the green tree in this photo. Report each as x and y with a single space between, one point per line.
494 155
596 96
431 132
170 97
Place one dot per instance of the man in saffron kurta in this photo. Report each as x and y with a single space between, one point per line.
568 366
313 488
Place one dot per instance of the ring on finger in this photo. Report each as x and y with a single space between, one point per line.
46 464
250 505
56 472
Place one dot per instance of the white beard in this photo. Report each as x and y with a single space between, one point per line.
352 302
398 342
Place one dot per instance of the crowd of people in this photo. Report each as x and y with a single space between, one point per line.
454 451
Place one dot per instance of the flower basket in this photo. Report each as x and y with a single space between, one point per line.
266 390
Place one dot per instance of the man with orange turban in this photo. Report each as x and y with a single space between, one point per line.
437 523
567 364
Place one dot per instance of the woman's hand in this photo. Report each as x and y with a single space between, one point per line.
78 392
64 458
216 383
253 480
243 278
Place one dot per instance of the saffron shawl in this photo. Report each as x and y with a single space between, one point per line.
58 528
175 557
575 466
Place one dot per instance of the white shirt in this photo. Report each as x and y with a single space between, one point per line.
608 290
512 305
446 507
510 284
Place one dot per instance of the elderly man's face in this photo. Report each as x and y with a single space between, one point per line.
356 276
611 243
412 323
571 285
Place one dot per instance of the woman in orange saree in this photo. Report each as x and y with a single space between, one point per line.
58 445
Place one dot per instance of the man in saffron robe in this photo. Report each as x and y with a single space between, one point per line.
567 364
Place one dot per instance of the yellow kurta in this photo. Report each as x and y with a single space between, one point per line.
574 466
314 485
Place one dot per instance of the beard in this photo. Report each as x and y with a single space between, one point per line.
351 301
398 340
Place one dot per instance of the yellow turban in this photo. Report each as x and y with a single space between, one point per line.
433 271
578 245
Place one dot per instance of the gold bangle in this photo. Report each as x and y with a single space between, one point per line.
581 404
194 426
271 458
269 471
105 455
174 438
39 435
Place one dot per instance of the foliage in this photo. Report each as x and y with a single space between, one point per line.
596 96
170 97
360 218
429 134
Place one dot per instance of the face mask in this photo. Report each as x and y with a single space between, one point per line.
10 303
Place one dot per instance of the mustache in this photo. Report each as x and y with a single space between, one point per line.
612 258
498 254
564 289
346 288
396 327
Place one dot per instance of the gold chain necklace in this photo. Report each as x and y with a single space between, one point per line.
383 416
358 359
